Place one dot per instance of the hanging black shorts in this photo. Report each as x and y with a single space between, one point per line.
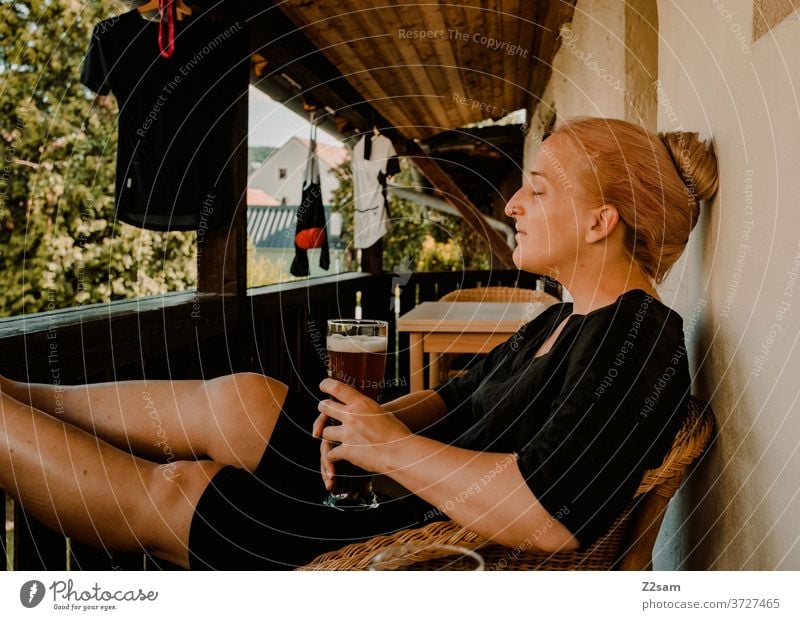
274 519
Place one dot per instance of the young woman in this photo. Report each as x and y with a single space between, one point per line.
541 444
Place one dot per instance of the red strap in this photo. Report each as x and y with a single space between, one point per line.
169 48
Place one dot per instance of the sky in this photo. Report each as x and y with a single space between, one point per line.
272 124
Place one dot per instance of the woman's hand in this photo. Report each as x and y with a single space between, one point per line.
364 434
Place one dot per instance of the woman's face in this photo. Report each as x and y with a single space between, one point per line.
548 212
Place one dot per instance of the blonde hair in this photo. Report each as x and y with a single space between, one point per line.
656 182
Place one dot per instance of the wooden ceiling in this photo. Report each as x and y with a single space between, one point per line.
428 67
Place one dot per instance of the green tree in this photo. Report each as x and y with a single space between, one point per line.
419 238
59 243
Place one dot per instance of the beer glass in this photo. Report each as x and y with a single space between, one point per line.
357 357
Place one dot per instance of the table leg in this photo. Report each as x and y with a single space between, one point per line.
433 371
416 362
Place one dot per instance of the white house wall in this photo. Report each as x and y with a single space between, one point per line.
291 156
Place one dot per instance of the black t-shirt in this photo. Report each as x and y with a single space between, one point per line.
180 118
585 419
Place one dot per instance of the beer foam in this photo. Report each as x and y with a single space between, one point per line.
357 344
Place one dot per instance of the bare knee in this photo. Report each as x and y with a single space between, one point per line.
175 489
245 409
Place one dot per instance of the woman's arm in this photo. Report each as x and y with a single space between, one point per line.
482 491
418 410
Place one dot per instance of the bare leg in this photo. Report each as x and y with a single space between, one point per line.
228 419
80 485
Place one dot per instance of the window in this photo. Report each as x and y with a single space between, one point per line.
281 173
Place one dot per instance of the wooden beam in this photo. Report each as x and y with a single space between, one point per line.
451 192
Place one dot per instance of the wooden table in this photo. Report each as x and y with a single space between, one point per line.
437 327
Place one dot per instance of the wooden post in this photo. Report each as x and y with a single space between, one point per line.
451 192
222 233
222 241
372 258
222 256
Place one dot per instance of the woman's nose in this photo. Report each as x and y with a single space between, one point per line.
512 207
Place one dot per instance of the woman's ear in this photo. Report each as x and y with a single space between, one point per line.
602 222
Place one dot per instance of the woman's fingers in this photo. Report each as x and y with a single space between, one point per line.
332 409
333 433
340 391
320 423
326 465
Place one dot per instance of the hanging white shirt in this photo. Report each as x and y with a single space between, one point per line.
368 190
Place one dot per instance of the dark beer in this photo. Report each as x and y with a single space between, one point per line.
359 361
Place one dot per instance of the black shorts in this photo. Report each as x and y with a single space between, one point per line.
274 519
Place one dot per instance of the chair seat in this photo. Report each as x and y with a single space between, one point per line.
602 555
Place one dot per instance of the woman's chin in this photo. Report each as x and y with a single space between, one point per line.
523 263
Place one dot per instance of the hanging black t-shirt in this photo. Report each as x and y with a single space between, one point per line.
585 419
179 118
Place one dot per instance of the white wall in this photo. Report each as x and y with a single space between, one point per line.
588 71
291 156
735 285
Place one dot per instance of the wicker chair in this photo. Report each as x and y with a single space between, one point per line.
508 294
628 545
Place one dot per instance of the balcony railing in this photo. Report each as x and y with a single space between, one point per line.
277 330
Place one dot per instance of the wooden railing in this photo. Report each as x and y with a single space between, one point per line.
277 330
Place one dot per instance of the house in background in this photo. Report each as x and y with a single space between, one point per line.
260 198
274 193
281 174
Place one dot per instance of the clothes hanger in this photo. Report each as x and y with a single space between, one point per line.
152 9
166 21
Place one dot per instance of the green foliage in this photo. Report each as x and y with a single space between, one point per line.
262 271
419 238
59 244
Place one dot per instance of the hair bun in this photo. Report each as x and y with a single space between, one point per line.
695 162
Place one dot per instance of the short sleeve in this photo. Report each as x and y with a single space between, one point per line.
610 422
95 71
393 165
